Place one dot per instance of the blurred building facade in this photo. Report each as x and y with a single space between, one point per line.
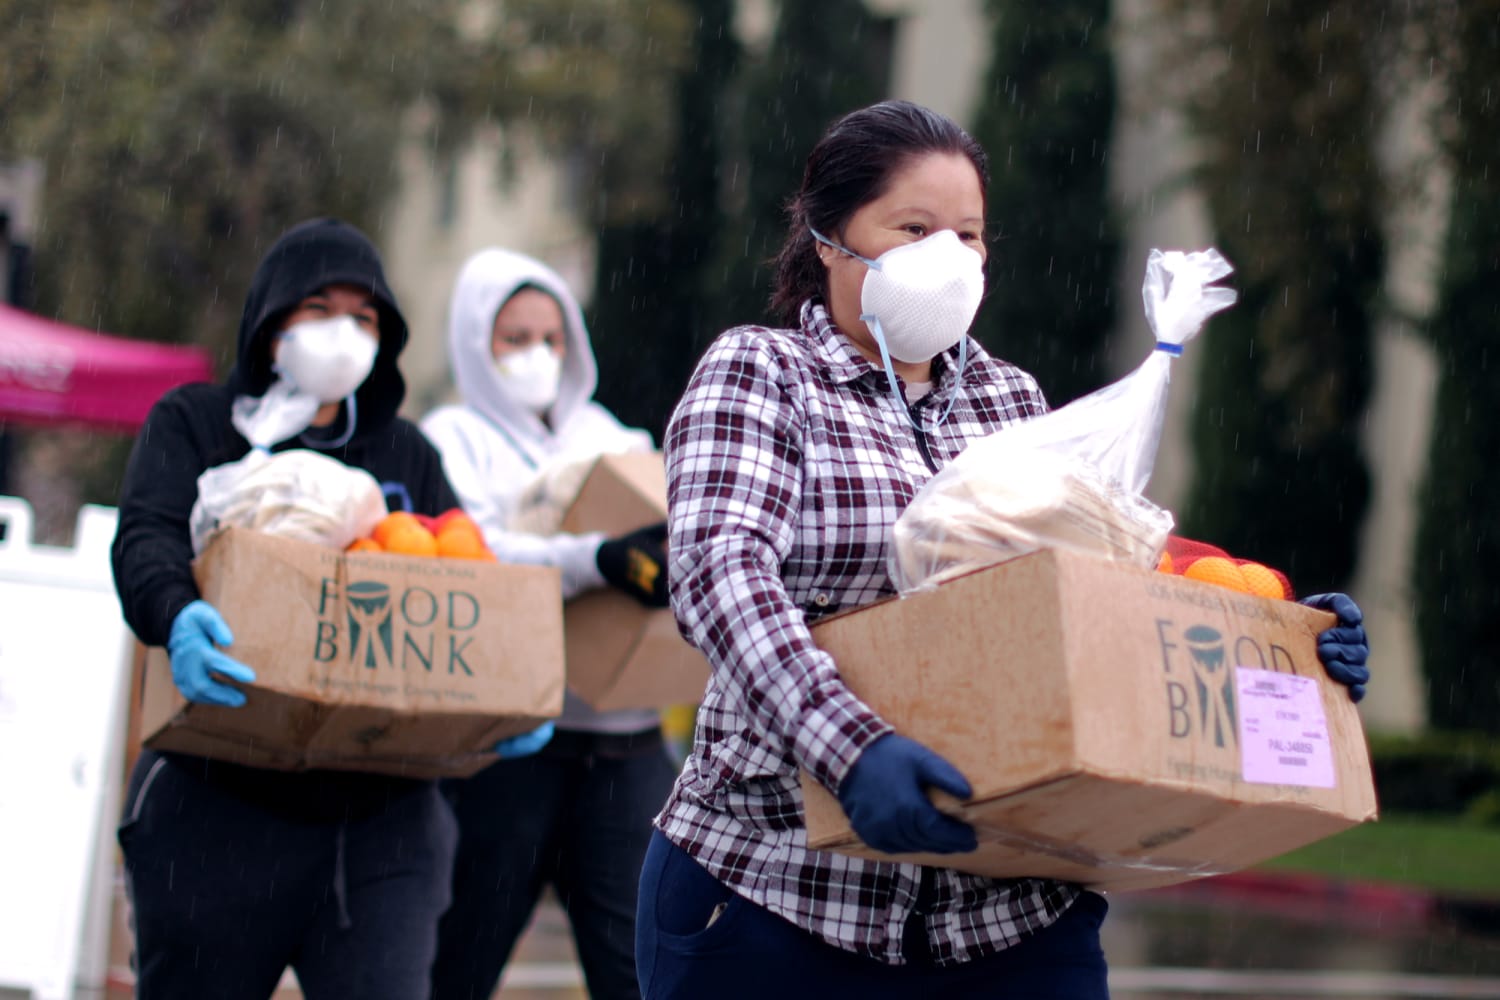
452 207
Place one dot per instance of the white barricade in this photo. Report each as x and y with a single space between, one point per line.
64 673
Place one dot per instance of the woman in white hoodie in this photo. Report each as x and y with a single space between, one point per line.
578 815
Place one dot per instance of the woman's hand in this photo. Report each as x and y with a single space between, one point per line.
637 564
885 795
1344 650
525 744
197 665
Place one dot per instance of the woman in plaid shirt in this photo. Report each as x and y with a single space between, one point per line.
789 459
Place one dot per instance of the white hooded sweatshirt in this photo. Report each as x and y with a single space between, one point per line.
493 447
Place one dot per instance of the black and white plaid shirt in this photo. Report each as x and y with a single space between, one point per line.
788 462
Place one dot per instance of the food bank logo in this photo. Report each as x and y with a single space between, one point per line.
413 628
370 642
1207 703
1198 664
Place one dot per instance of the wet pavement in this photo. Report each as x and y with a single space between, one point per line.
1250 937
1255 938
1277 937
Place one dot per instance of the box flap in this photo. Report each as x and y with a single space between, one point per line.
620 494
621 655
662 669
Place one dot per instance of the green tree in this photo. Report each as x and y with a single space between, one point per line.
668 283
1454 582
181 136
654 276
823 60
1283 104
597 78
1046 118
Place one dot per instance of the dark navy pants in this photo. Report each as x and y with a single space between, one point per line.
576 816
748 952
226 893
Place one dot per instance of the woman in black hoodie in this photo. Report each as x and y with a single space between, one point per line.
236 872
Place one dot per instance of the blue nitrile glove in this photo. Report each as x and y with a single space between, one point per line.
526 744
1343 649
885 795
196 659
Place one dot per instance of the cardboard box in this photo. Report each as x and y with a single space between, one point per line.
367 662
621 654
1086 702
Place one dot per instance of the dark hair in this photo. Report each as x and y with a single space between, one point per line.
529 286
850 167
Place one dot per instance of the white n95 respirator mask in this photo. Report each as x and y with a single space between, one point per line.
326 358
918 299
532 377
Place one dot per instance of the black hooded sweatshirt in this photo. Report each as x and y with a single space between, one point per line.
189 430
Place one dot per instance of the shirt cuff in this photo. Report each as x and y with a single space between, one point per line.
837 727
168 607
580 564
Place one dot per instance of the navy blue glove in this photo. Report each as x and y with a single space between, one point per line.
196 659
1343 649
526 744
885 795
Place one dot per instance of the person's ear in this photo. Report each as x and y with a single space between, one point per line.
826 254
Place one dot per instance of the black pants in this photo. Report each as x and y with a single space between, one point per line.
576 816
689 947
227 893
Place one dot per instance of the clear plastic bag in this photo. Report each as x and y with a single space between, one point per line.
295 494
1073 478
542 505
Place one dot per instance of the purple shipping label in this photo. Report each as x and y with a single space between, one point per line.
1283 731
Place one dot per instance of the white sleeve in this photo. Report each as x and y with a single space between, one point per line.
575 555
487 494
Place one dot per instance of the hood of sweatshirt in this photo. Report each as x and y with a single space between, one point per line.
485 283
310 256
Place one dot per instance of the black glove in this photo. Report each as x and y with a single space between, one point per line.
637 564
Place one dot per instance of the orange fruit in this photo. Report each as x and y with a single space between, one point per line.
410 540
1261 582
458 541
393 522
460 525
449 516
364 545
1164 564
1218 571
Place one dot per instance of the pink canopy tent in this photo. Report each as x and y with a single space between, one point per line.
52 373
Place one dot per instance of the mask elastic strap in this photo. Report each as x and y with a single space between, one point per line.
958 378
396 490
343 438
873 322
843 249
